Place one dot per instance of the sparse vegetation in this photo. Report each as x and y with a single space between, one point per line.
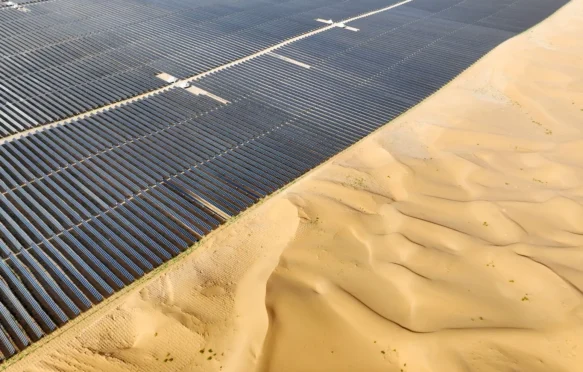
485 224
357 182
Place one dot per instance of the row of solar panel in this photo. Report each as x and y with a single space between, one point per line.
106 56
12 3
131 21
88 207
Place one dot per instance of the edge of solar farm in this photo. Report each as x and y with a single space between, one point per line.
256 158
41 303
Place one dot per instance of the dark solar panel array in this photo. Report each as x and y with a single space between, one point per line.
360 80
89 206
19 3
66 57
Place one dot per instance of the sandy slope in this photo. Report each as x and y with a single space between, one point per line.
451 240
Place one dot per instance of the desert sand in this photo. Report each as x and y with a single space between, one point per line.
449 240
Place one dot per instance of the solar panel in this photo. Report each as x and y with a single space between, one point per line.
66 57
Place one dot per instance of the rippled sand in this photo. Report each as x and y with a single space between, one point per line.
450 240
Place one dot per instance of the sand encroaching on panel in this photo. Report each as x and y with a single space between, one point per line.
451 240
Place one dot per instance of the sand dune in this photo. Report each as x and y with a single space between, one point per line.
450 240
